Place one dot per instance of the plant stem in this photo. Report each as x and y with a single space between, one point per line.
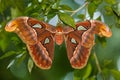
75 11
97 62
98 65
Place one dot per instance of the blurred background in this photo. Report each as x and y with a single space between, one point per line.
15 62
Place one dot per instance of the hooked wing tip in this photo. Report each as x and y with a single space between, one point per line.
11 26
101 28
105 31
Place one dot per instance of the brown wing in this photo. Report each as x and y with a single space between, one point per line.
24 31
45 34
77 54
42 52
38 37
43 49
80 41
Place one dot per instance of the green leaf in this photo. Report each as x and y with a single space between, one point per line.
105 74
81 16
65 7
116 74
30 65
116 8
83 74
111 1
97 2
91 9
99 18
102 40
92 78
55 5
4 40
8 54
21 57
15 12
4 4
19 71
67 19
11 63
118 21
108 10
107 63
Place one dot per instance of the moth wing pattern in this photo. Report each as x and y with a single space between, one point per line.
42 52
38 36
77 53
80 41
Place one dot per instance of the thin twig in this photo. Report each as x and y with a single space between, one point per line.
74 12
98 65
97 62
86 12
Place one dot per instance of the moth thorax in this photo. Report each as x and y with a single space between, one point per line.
59 39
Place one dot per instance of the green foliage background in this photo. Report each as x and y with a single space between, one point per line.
15 62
